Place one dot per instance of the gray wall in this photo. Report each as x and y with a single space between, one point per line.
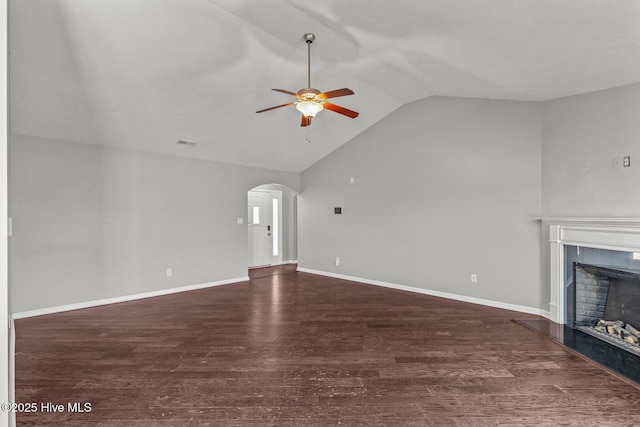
444 187
93 222
581 136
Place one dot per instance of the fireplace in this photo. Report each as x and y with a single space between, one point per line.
616 234
580 240
605 303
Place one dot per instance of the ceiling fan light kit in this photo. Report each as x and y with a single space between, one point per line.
309 108
311 101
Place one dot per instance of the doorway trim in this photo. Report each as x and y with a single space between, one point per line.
287 223
264 231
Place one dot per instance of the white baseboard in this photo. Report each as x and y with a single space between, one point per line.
125 298
463 298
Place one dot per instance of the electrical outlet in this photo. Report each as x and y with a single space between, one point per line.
337 262
626 161
474 278
169 272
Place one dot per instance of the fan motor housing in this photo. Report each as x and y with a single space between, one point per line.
308 93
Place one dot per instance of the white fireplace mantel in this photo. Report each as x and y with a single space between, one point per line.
619 234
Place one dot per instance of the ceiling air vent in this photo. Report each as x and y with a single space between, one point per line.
189 143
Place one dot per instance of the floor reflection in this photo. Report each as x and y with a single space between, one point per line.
267 310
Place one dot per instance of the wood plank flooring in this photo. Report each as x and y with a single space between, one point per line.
297 349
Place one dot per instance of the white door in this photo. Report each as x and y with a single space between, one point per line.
259 229
264 227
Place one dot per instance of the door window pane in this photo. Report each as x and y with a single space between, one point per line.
256 215
275 227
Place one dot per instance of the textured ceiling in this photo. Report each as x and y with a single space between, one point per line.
143 74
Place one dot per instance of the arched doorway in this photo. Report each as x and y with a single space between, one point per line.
272 225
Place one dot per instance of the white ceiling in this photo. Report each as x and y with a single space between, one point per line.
143 74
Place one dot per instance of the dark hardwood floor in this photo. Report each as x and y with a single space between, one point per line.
296 349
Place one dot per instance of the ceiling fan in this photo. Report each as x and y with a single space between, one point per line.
311 101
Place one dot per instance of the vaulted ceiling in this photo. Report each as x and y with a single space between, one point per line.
144 74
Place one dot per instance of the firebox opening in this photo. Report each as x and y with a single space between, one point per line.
607 305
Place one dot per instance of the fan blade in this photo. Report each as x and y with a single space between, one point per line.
288 92
277 106
306 121
341 110
336 93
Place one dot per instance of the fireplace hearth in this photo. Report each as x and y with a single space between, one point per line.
611 338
